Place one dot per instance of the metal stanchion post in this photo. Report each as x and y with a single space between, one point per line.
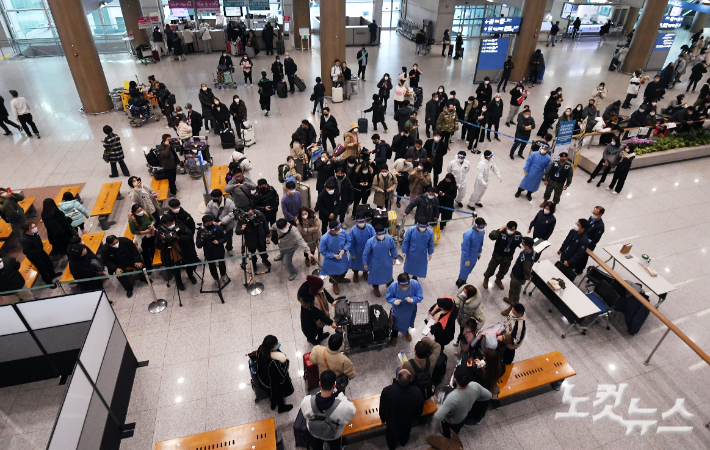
158 304
254 287
656 347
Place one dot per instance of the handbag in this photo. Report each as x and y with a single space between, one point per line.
107 155
437 233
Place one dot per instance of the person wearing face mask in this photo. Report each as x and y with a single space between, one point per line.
378 112
84 264
544 222
266 200
238 110
459 167
443 314
514 333
351 142
381 151
411 126
246 65
272 373
266 90
418 155
442 100
378 257
401 144
289 172
328 129
120 254
291 201
536 166
254 228
471 249
521 273
435 152
638 118
419 180
446 190
431 113
598 94
384 183
328 204
517 96
507 240
344 190
181 215
459 46
384 87
522 133
495 112
59 230
399 92
240 161
610 158
404 296
206 98
222 209
142 225
194 119
632 90
557 178
508 67
447 123
483 119
336 73
537 63
241 188
401 169
361 180
402 113
362 57
470 117
549 114
33 248
484 169
177 247
325 168
564 117
426 203
214 249
289 239
225 62
622 170
418 246
220 115
309 226
335 247
359 235
277 70
590 112
574 248
484 92
654 90
468 301
206 38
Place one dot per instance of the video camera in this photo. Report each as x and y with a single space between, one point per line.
167 235
207 235
243 216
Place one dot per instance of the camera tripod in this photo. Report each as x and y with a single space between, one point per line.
253 286
220 286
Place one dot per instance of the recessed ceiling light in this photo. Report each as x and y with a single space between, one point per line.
181 379
613 228
676 184
612 367
178 399
654 189
628 196
667 269
242 385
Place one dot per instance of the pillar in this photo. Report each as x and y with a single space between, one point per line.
699 22
645 35
81 54
332 30
526 42
131 10
301 19
631 17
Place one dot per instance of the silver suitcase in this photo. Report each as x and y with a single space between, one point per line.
305 192
249 136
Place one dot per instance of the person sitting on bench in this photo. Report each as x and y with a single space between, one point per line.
327 413
331 358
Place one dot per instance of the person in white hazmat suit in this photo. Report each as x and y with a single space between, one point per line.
484 168
459 167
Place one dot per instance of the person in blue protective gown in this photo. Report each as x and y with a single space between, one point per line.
535 168
418 246
471 248
378 257
359 235
404 296
334 246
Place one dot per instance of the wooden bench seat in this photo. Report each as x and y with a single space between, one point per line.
157 261
219 174
161 188
27 205
28 270
259 435
105 202
91 240
534 372
367 416
5 230
73 189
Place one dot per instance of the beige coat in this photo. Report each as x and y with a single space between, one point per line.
310 231
326 358
378 185
144 196
351 145
418 182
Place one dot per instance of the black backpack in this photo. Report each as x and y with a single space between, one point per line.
422 379
389 150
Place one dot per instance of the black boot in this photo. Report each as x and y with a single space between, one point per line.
517 194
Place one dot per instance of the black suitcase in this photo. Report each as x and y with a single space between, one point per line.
281 89
365 210
360 339
299 83
160 174
440 369
359 318
635 314
176 145
380 323
300 431
362 124
380 217
227 138
259 392
419 93
280 47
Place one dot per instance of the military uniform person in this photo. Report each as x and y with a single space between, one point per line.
508 239
521 272
557 178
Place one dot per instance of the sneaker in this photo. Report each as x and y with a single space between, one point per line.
607 188
479 205
292 276
279 257
225 279
472 208
38 136
459 204
614 193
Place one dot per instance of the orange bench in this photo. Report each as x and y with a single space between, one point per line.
531 373
74 191
91 240
5 230
161 188
367 416
27 205
106 200
259 435
28 270
219 174
156 256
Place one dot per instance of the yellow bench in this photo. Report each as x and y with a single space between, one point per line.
5 230
259 435
28 270
367 416
73 189
27 205
161 188
91 240
106 200
534 372
219 174
156 256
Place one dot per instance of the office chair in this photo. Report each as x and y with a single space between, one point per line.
604 297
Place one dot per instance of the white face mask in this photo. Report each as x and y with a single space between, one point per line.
291 163
304 216
355 130
338 231
579 108
351 165
576 227
204 88
384 174
324 159
2 264
380 237
546 211
462 296
420 167
387 78
497 99
509 231
437 138
440 91
175 210
292 191
422 229
543 152
483 109
365 171
361 225
283 230
34 230
485 82
115 245
595 217
171 227
330 191
140 214
430 197
527 116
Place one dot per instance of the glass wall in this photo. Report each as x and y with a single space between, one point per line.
469 19
357 8
390 13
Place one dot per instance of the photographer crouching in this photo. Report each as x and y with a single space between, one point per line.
177 247
211 238
254 228
121 254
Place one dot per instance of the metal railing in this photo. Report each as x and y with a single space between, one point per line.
29 47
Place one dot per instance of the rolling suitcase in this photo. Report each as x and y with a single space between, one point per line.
249 136
156 56
310 372
379 217
305 192
300 431
250 52
337 94
259 392
451 50
365 210
299 83
281 89
359 318
227 138
380 323
362 124
280 47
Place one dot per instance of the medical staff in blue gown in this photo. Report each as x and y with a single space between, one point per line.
418 246
379 255
471 248
404 296
334 246
535 168
359 235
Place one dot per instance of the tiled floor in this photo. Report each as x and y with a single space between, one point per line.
197 379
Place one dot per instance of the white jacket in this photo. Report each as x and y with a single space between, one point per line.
399 92
206 36
187 36
459 170
245 164
335 72
484 170
342 415
634 85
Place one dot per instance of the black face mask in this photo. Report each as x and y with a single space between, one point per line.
340 177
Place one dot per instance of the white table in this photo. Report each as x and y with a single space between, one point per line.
658 285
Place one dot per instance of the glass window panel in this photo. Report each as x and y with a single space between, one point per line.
29 24
459 12
22 4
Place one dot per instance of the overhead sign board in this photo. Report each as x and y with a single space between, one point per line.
501 25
